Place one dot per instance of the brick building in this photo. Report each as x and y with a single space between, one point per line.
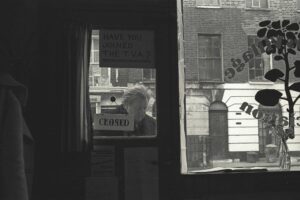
216 34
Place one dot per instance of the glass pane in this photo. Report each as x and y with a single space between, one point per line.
255 3
122 101
208 2
241 135
264 3
96 43
126 107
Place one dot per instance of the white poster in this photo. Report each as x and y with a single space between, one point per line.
127 48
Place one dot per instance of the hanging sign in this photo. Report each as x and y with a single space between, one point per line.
126 48
113 122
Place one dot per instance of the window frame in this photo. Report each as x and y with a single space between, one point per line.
252 7
221 80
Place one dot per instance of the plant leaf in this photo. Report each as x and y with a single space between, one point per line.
276 24
279 33
274 74
261 32
285 23
278 57
292 51
290 35
293 27
264 23
271 33
297 63
297 70
295 87
268 97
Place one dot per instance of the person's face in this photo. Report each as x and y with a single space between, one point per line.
137 108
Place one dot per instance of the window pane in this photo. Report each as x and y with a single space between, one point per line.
255 3
234 130
134 101
96 43
264 3
122 101
208 2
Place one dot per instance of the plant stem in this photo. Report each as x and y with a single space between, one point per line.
287 91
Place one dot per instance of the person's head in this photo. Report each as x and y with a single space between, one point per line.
135 101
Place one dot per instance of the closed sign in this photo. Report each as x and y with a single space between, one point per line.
113 122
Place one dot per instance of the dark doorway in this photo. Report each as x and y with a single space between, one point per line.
218 130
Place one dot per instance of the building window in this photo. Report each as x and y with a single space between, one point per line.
260 64
95 48
148 74
298 5
208 3
257 4
209 58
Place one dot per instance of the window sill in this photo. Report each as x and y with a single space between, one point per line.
212 82
208 7
261 83
258 9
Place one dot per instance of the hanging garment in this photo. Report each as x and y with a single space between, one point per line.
16 142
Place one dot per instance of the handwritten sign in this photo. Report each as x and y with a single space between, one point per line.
114 122
126 48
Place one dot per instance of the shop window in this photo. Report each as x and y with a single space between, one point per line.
210 57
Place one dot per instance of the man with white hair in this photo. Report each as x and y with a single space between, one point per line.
135 102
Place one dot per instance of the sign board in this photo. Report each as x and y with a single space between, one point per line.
114 122
126 48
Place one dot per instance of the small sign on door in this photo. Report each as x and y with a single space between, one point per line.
113 122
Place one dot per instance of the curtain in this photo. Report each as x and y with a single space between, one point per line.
76 112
